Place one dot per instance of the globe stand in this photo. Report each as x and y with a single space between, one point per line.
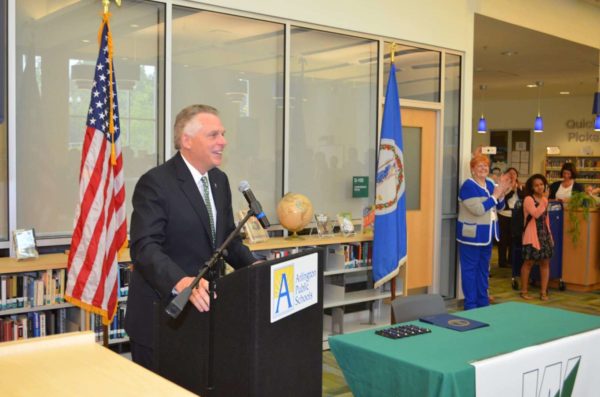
294 236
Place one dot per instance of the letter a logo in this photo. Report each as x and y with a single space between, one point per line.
284 291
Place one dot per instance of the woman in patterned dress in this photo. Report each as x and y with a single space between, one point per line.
537 239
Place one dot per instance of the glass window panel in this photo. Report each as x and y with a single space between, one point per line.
450 148
417 72
333 118
3 123
448 268
236 65
56 52
411 137
451 134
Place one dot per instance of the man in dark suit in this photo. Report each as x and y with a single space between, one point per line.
178 220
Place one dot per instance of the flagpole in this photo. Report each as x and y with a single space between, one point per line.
393 280
113 161
106 4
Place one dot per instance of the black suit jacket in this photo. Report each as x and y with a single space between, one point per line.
577 187
170 238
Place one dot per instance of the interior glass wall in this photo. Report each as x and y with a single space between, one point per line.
3 123
450 174
418 72
57 48
235 64
333 118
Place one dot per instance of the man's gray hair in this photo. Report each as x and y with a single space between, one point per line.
183 118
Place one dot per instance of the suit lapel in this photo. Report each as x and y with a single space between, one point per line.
190 190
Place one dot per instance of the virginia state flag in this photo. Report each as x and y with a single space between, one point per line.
389 242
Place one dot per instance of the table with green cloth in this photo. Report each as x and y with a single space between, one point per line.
438 363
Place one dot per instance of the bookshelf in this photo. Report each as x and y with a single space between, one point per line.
32 300
588 168
350 301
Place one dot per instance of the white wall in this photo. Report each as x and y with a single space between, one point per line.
574 20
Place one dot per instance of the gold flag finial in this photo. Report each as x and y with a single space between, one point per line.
106 3
392 52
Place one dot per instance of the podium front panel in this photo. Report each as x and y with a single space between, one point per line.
252 356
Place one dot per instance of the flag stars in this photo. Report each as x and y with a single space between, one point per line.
98 105
95 94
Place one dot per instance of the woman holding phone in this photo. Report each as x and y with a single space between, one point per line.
537 238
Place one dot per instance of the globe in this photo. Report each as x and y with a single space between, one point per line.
295 211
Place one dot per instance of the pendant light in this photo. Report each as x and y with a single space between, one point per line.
538 126
596 106
482 125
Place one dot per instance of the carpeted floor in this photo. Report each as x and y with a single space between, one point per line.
501 289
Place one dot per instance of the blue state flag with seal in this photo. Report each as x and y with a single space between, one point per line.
389 242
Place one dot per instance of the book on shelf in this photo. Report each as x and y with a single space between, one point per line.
32 289
123 277
39 323
368 219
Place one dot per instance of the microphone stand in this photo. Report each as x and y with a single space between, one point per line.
179 302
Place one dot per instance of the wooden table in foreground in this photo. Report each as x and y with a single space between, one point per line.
75 365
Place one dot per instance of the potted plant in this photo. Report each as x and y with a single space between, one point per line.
579 202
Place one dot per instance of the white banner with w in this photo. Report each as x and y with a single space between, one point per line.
564 367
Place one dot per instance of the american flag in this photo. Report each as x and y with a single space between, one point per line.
101 228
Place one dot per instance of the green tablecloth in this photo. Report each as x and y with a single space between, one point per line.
437 364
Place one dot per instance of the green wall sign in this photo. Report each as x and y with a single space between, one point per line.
360 186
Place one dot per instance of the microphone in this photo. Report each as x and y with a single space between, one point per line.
244 188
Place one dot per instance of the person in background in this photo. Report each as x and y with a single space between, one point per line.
495 174
562 190
477 222
537 238
593 193
505 216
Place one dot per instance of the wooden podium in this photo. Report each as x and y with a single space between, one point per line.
75 365
581 261
252 355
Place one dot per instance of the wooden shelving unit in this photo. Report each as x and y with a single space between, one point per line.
337 277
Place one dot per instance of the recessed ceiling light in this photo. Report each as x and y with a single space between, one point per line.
134 25
509 53
531 85
565 93
85 41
